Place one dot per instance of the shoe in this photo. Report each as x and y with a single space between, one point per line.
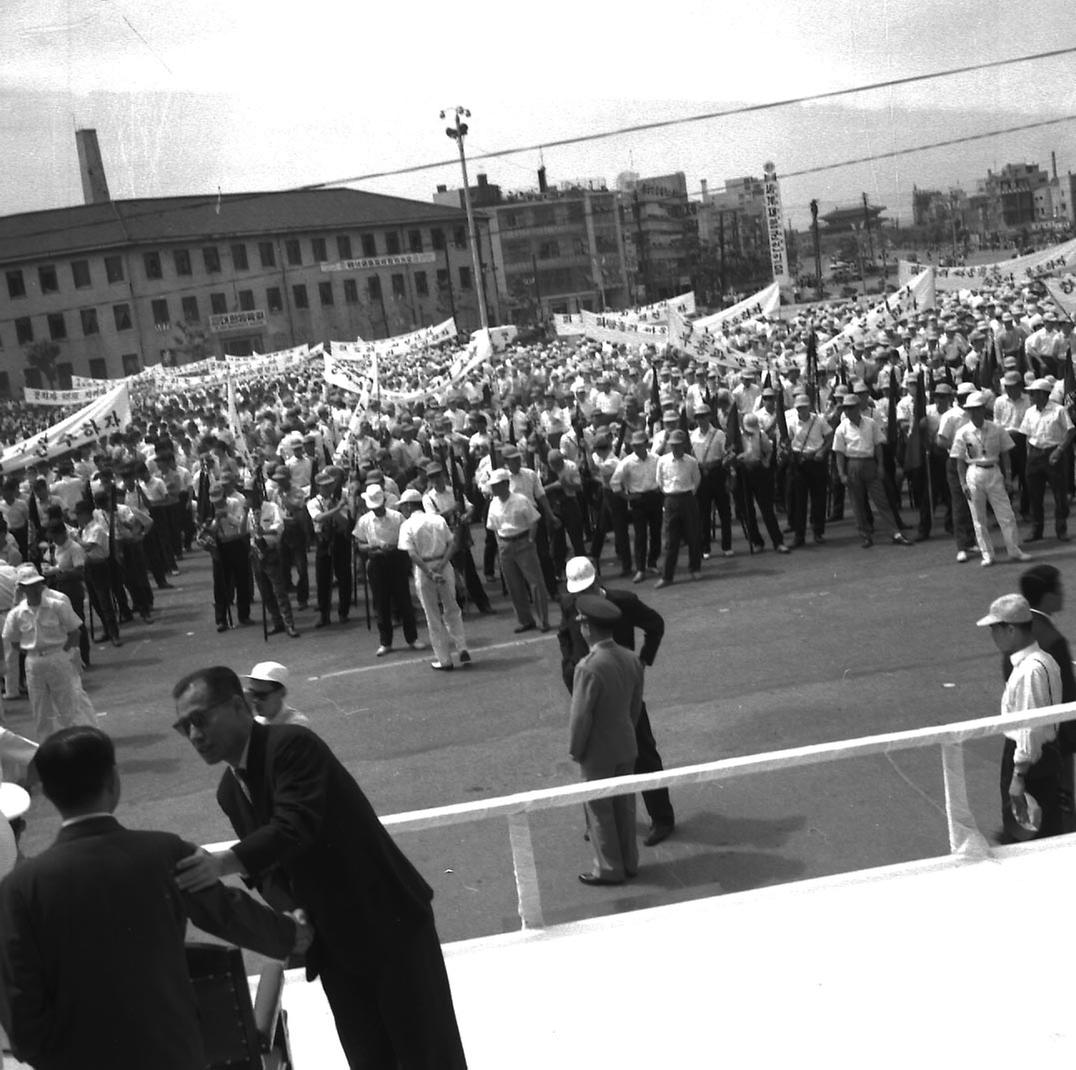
798 541
418 644
658 833
544 626
728 553
146 618
1035 536
127 618
383 650
245 622
13 698
696 575
277 629
173 572
303 605
662 583
1020 555
819 540
222 627
344 618
166 586
440 666
706 555
987 561
486 610
900 539
465 657
962 556
1063 536
293 632
116 641
867 543
625 572
781 548
590 879
638 577
322 622
525 628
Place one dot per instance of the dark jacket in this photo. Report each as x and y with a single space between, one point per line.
312 839
93 970
634 614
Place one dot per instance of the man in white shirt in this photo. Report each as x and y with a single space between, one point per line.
635 479
1031 763
46 628
678 480
708 448
1009 410
266 523
377 534
1049 434
951 421
427 540
513 519
809 439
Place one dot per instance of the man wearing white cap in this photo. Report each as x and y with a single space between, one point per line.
1009 410
377 533
265 688
513 520
1049 434
982 457
46 628
952 420
427 539
1031 762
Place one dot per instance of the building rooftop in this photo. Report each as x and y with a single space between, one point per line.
142 221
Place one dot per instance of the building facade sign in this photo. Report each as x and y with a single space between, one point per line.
367 262
231 321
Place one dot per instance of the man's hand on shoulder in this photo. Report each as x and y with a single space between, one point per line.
304 931
201 870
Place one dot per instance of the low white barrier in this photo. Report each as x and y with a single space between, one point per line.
964 835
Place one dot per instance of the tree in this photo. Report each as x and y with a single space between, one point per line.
41 357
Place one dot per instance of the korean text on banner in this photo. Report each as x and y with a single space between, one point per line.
78 396
914 296
659 310
342 374
1063 291
705 346
104 415
1056 259
568 325
613 329
764 303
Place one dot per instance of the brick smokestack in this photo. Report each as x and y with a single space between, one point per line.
91 167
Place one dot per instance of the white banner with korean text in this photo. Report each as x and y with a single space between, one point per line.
1017 269
617 331
103 416
78 396
915 295
764 303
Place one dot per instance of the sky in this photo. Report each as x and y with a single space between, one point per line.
189 96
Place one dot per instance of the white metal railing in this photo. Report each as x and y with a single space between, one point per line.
964 835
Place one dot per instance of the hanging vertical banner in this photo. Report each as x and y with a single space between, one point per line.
775 225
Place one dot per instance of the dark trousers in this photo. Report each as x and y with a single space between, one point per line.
681 524
333 561
657 802
293 547
756 486
177 524
1040 475
393 1006
545 556
76 595
963 529
807 487
612 516
646 519
463 565
132 566
1018 468
231 577
865 489
1043 780
163 535
570 512
713 491
389 575
99 584
269 574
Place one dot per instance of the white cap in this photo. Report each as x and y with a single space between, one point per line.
14 801
268 672
579 574
374 496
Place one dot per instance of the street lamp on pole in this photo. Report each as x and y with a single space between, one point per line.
458 132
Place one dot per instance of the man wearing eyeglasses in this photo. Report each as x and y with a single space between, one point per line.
309 838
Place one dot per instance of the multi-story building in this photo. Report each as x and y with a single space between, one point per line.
735 217
118 285
1009 195
661 221
553 250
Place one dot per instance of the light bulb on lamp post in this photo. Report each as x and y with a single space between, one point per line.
458 131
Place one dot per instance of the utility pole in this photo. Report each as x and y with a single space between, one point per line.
721 254
867 225
458 133
952 220
817 248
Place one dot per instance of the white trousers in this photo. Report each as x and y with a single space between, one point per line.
987 485
443 618
57 699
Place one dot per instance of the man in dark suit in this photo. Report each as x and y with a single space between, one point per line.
309 837
92 964
582 578
607 695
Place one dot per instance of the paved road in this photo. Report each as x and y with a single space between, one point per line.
766 652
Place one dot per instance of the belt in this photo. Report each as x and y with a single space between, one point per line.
982 464
513 538
1043 449
870 458
677 493
43 653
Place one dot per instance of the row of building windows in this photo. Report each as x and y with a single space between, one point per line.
218 304
153 265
